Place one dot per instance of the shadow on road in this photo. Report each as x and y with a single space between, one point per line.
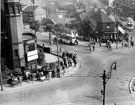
95 97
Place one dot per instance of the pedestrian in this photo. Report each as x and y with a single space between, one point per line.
90 47
75 60
19 80
131 43
93 47
38 76
99 43
122 43
102 93
58 72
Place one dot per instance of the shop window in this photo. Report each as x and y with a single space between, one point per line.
30 47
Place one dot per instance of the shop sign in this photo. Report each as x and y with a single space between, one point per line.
35 52
33 57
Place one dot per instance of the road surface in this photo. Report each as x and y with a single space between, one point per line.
81 89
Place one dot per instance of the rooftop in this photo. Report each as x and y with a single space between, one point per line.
30 8
101 17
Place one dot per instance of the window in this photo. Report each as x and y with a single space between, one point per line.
11 9
108 26
17 8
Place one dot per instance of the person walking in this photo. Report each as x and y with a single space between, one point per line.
93 47
90 47
122 43
102 93
99 42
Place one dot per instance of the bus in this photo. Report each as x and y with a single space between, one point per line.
130 24
69 37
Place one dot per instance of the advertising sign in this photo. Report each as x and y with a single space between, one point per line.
32 55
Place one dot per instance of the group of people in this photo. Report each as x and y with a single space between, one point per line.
69 59
14 80
128 42
48 70
92 46
109 46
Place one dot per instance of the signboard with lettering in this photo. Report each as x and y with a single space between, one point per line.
32 55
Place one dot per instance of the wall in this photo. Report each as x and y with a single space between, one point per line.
40 14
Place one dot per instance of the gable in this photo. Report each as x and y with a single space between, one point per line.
39 9
101 17
30 8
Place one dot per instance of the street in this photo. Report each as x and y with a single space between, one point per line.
84 86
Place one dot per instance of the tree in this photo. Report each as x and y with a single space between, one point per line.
74 24
35 26
59 28
49 27
41 58
87 26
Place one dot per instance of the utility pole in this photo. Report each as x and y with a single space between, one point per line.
104 86
33 1
46 9
58 55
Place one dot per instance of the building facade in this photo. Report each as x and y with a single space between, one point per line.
105 28
12 51
16 50
33 12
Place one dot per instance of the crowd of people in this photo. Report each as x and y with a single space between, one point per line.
69 59
128 42
49 70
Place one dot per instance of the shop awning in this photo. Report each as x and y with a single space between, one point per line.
121 30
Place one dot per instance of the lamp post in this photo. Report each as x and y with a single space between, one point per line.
1 81
58 53
33 2
104 86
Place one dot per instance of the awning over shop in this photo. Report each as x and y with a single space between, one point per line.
121 30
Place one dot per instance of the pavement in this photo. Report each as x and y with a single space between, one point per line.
123 86
32 84
51 58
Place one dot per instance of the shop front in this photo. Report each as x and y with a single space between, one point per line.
31 54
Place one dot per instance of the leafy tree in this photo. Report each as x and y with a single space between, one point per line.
41 58
74 24
87 26
49 27
35 26
59 28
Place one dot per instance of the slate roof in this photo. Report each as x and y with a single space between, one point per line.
29 9
49 21
101 17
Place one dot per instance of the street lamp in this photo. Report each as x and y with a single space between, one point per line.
1 81
58 52
33 1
